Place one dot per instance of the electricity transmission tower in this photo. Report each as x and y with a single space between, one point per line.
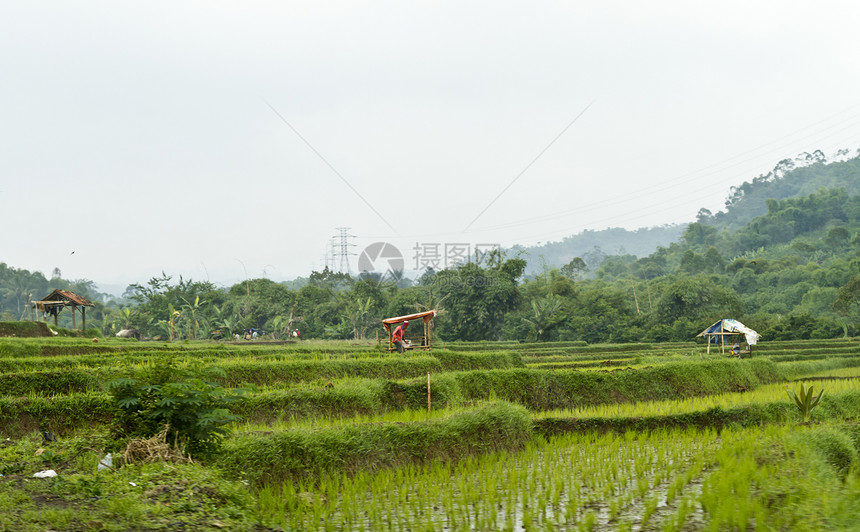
330 255
341 253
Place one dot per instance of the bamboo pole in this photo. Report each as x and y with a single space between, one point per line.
428 392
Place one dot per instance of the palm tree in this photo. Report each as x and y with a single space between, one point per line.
546 315
432 301
18 289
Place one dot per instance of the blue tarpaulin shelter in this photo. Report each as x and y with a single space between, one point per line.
725 329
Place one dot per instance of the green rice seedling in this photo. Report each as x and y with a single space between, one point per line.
837 372
650 508
764 395
773 478
589 521
530 480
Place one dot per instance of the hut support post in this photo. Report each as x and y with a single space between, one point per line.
83 318
74 326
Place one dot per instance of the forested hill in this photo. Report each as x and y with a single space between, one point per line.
790 178
795 268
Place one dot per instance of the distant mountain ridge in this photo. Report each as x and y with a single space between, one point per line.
592 246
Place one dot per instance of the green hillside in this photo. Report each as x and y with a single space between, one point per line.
790 178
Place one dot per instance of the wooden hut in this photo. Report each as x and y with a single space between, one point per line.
727 330
57 300
419 341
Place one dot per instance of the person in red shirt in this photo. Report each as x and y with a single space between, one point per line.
397 336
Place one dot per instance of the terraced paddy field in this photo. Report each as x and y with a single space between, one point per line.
509 436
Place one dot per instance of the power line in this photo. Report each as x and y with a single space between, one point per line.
332 168
691 177
524 170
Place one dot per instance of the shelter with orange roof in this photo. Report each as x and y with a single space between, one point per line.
417 341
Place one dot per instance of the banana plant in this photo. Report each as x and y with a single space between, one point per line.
172 315
192 310
806 401
277 325
359 317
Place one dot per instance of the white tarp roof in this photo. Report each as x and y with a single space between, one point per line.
732 326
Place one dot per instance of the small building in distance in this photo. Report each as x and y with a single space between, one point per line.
421 341
726 330
56 301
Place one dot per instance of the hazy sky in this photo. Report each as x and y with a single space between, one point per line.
142 135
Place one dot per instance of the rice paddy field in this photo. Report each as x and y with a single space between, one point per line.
483 436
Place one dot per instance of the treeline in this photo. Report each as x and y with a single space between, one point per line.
790 273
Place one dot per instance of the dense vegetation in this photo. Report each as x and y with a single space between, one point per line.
787 265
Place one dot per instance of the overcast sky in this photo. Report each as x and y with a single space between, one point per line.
225 140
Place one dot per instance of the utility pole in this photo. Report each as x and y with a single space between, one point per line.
342 252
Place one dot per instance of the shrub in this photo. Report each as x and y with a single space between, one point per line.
195 407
